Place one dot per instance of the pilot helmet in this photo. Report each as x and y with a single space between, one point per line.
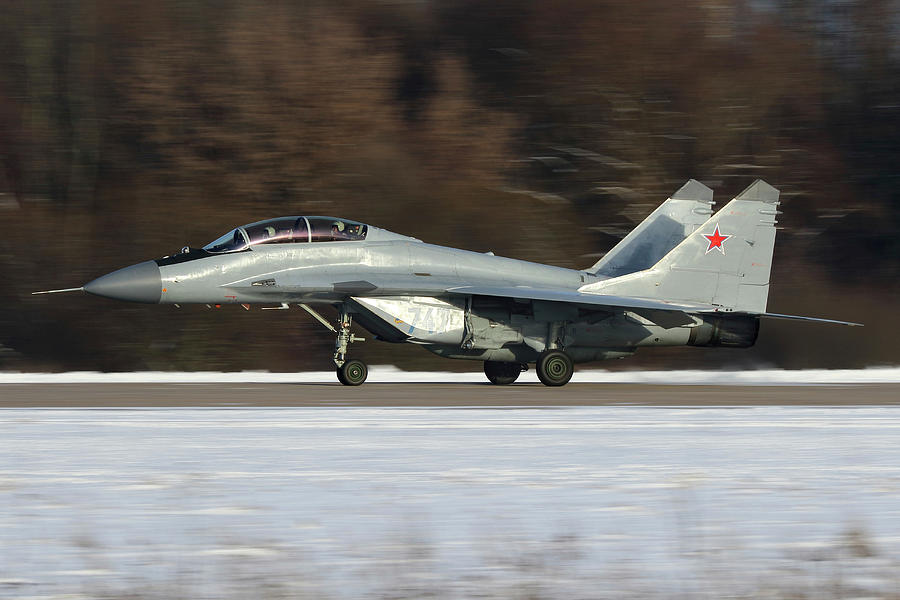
270 231
339 225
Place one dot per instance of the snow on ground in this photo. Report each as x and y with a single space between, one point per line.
391 374
407 503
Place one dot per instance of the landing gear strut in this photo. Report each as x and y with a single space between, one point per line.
349 372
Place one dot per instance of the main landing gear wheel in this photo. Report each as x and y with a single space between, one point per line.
502 373
352 372
555 368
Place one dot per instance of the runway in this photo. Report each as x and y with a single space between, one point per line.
414 394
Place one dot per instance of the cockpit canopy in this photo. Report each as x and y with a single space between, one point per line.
289 230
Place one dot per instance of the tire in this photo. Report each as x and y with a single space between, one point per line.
502 373
555 368
352 372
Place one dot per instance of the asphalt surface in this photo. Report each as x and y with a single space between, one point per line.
171 395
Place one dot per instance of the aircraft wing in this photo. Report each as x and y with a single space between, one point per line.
664 313
661 312
387 286
551 295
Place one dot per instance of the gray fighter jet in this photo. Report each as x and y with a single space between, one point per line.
683 277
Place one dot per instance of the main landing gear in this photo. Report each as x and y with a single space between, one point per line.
502 373
554 368
349 372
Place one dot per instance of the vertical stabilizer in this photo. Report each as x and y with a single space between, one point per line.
665 228
725 262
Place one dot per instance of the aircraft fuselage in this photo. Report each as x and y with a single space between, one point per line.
396 289
329 272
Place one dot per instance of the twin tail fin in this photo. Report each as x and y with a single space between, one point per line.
726 262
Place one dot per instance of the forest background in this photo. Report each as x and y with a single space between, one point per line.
538 130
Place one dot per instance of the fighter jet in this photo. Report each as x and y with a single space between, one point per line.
684 277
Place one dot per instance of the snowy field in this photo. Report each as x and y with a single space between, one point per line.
603 502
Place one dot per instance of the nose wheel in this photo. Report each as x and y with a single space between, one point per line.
352 372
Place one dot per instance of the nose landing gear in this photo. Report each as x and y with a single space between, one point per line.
349 372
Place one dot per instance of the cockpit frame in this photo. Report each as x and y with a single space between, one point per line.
288 230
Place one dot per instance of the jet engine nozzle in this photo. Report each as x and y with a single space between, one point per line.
138 283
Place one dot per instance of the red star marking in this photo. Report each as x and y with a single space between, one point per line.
716 240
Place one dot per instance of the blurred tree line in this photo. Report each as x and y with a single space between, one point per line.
539 130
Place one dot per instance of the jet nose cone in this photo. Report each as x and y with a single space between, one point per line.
137 283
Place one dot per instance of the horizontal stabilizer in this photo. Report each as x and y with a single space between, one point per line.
813 319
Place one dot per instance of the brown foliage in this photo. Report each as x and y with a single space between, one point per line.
130 129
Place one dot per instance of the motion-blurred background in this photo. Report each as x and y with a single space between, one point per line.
538 130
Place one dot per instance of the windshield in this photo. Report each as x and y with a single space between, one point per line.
285 230
231 241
